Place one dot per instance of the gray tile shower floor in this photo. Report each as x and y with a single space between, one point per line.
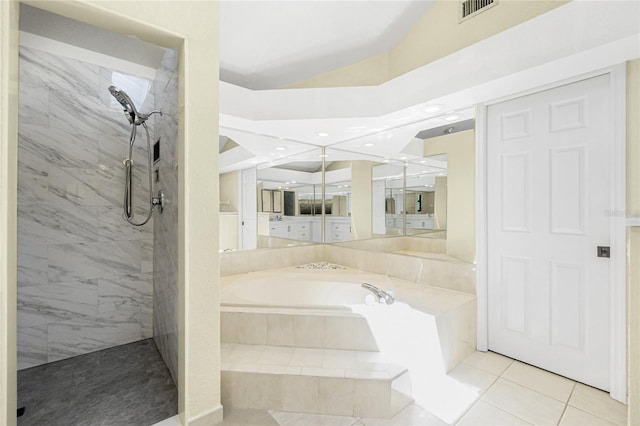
125 385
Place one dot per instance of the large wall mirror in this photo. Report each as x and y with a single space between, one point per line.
273 190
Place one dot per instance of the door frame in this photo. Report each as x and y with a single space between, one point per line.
617 208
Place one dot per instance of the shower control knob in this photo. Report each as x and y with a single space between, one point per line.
159 201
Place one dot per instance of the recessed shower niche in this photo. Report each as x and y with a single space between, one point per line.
88 279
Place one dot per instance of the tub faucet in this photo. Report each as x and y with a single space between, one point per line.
383 296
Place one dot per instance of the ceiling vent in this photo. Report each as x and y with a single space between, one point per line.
470 8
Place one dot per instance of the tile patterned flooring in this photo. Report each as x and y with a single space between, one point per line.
486 389
124 385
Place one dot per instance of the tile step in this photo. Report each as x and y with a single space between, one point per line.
318 381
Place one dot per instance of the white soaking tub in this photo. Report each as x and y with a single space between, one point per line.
300 288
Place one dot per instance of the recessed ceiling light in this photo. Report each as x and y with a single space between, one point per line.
280 148
323 134
368 144
451 117
386 160
293 181
423 161
432 108
403 158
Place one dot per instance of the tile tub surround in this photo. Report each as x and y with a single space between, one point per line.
275 347
85 276
242 261
407 258
318 381
394 244
165 226
440 324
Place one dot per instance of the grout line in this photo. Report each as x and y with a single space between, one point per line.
509 413
479 396
538 392
564 410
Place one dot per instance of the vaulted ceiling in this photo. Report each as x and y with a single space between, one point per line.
270 44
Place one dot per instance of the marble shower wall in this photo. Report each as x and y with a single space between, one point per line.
165 251
85 276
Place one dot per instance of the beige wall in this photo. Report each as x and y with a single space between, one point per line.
361 199
229 191
190 27
440 214
436 35
633 138
461 208
8 207
633 242
229 231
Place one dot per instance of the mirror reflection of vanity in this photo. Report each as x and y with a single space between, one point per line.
416 202
367 193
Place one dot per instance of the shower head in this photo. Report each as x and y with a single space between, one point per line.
126 102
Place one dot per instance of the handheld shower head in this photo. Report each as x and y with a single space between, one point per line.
126 102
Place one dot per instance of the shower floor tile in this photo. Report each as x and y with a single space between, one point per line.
124 385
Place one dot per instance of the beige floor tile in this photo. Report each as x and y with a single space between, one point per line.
575 417
483 414
542 381
171 421
598 403
447 397
472 376
524 403
246 417
413 415
302 419
490 361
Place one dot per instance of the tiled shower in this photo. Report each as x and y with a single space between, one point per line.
88 280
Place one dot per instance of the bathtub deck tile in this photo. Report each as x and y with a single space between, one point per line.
279 369
323 372
276 355
368 374
304 357
335 358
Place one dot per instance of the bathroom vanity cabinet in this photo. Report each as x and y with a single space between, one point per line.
310 229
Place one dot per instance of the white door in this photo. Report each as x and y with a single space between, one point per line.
248 209
548 201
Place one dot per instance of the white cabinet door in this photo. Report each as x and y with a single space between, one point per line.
548 202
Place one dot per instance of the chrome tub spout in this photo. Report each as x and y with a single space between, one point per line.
381 295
